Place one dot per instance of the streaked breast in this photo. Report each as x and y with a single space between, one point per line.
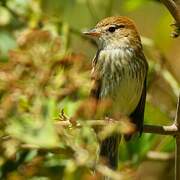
122 75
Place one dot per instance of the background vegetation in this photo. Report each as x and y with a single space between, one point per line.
45 64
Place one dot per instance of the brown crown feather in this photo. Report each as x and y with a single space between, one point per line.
117 20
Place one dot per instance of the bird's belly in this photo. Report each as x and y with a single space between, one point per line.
125 93
127 97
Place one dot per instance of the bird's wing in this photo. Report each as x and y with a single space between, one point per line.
96 87
96 81
137 116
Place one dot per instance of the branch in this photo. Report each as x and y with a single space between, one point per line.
173 129
177 151
174 8
177 119
163 130
160 156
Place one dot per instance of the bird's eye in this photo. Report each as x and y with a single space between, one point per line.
111 29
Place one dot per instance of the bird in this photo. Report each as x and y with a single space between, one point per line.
119 73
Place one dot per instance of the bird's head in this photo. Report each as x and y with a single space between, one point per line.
115 32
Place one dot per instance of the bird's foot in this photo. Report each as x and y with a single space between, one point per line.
109 120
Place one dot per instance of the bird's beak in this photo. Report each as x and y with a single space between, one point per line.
92 32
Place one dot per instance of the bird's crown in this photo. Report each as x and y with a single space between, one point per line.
117 20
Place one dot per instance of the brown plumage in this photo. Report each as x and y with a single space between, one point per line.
119 74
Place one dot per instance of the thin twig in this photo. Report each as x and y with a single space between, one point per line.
177 151
177 119
163 130
174 8
160 156
177 158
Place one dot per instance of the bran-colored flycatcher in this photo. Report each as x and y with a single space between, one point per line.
119 74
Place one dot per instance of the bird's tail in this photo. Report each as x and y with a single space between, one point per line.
109 150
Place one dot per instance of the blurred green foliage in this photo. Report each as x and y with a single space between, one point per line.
45 78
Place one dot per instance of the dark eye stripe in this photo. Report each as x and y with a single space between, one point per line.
113 28
120 26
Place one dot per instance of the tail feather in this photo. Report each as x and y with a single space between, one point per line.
109 150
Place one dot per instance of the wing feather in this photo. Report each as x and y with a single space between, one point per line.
137 116
96 81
